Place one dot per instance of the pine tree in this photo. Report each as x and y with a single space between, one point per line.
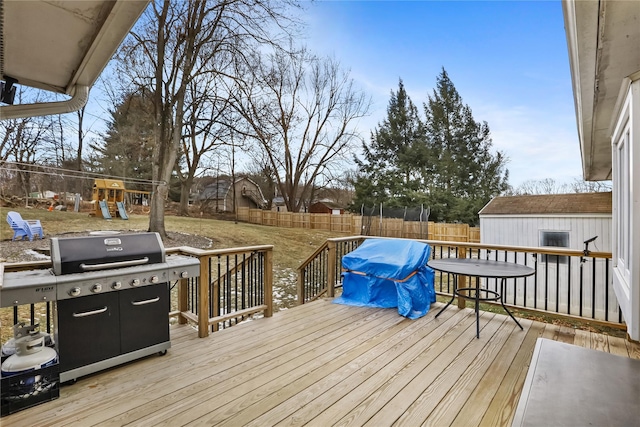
127 145
390 171
446 162
465 174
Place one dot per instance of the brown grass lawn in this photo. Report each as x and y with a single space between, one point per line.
291 245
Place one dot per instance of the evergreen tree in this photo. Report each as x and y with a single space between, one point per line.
390 172
465 173
127 146
445 162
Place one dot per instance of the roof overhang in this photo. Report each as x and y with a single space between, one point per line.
60 46
603 39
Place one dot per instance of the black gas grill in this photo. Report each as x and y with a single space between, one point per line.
95 253
112 295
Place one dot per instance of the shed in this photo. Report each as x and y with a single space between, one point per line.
219 194
564 220
552 220
326 207
278 205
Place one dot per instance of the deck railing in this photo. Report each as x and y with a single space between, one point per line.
566 282
239 286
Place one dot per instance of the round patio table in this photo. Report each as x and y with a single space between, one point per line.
480 268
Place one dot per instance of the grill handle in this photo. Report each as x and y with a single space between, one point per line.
90 313
93 267
149 301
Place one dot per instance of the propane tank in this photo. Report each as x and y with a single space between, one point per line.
9 347
30 352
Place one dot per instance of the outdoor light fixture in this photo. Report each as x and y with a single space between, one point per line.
8 90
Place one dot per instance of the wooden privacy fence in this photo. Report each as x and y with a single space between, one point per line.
356 224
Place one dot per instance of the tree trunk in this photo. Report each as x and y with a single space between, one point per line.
160 186
156 216
185 186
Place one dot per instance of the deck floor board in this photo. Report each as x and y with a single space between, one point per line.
322 364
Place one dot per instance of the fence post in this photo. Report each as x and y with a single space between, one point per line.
268 282
203 304
331 267
462 280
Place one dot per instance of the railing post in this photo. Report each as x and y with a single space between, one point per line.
268 282
301 279
203 303
462 280
331 267
183 300
216 303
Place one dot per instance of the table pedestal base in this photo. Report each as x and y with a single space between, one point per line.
491 296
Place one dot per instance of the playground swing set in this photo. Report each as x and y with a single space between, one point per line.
109 198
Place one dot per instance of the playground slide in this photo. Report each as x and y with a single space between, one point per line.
105 209
121 210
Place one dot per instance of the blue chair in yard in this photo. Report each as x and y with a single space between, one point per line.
24 228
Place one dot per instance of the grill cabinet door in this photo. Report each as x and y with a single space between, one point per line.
88 330
144 316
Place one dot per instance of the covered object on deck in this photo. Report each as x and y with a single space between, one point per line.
389 273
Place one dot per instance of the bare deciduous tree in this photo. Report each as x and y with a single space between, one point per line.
550 186
174 44
205 127
301 110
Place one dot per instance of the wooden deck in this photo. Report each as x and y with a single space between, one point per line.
321 364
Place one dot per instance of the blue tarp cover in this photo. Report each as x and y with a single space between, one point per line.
389 273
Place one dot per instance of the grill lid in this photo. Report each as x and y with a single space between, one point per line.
90 253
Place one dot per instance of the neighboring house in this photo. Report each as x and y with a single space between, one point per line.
326 207
219 195
564 220
603 38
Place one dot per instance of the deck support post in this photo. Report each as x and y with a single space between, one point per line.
331 268
183 300
203 302
462 280
268 283
301 277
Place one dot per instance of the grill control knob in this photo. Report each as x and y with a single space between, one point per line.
74 292
96 288
116 285
154 279
135 282
184 274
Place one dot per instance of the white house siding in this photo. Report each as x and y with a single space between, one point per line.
524 230
626 203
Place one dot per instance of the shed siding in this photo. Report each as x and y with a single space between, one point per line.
524 230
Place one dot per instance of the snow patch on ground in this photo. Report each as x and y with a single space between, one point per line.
285 285
37 255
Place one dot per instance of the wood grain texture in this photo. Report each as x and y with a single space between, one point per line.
321 364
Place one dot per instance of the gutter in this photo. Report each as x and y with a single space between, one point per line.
80 95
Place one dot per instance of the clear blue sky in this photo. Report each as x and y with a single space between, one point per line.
507 59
